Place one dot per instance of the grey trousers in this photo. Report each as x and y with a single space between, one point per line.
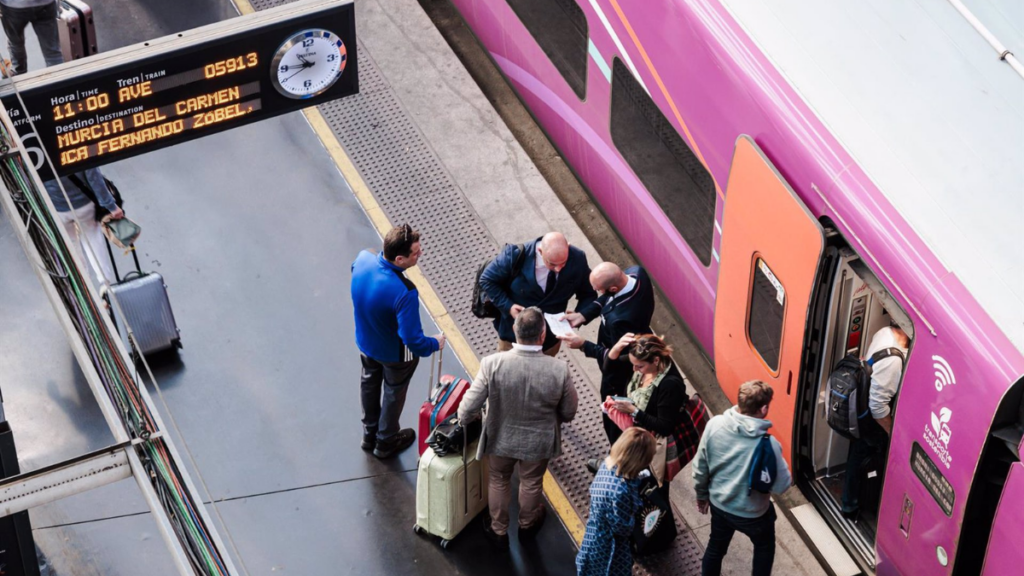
44 23
381 415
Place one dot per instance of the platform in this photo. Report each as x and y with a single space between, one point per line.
256 257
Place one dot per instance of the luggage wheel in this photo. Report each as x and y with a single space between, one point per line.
417 530
445 544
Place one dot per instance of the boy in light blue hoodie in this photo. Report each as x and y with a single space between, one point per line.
721 477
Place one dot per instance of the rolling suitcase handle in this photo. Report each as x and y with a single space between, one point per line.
434 388
113 264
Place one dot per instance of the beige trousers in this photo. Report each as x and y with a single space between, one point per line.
531 491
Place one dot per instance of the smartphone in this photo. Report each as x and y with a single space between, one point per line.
622 399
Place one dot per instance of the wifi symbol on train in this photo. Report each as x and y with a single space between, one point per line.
943 373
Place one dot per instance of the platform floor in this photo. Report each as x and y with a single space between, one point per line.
265 391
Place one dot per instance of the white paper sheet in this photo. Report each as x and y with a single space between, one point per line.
558 325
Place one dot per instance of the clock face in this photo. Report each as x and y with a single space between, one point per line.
308 63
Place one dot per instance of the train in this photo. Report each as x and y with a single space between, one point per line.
795 176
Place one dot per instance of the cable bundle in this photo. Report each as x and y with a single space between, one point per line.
118 380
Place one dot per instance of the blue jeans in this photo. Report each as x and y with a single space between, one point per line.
44 23
381 415
761 532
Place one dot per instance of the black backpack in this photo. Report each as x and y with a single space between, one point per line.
482 305
848 391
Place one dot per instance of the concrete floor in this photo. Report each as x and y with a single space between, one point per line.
264 392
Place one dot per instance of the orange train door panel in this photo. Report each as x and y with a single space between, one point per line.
771 247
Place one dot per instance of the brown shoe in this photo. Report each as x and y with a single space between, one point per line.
532 530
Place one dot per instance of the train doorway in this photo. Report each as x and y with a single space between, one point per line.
850 305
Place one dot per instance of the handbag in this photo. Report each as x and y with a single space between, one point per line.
682 446
659 464
655 527
451 436
122 232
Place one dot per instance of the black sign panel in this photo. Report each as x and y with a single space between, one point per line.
171 95
929 475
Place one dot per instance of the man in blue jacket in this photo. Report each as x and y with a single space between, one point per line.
389 336
546 273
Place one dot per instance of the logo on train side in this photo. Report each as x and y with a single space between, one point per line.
937 435
943 373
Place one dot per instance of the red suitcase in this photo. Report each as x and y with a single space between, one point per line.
445 395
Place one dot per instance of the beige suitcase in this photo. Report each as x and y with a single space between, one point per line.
449 493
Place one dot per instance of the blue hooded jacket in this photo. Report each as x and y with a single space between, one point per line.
387 311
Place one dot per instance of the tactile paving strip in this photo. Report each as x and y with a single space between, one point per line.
412 185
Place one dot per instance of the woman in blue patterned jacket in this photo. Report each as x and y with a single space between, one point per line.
614 503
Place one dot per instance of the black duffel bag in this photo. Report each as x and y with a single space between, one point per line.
655 526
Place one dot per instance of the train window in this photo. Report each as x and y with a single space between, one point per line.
767 303
560 28
660 157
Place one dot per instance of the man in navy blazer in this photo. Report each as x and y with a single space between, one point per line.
627 306
550 273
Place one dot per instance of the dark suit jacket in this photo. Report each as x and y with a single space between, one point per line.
631 312
506 288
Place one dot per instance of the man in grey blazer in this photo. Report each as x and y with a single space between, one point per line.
529 395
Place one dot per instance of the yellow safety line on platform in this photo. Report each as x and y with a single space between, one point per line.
437 311
555 494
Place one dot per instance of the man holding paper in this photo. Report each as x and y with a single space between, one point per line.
550 273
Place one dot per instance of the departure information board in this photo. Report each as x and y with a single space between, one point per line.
145 97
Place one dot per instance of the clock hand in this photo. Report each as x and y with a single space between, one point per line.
301 70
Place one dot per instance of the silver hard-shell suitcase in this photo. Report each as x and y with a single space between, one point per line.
76 29
142 298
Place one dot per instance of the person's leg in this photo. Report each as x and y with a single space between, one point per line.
97 252
499 494
44 23
761 532
504 345
553 350
861 451
611 429
531 492
369 395
613 383
396 384
718 543
14 21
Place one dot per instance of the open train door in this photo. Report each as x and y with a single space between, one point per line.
771 247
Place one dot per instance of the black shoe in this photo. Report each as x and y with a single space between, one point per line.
395 444
851 515
532 531
499 541
593 465
369 441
